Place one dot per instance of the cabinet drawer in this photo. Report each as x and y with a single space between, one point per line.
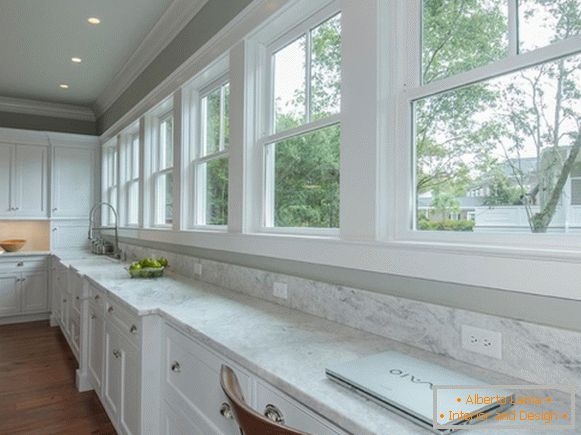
294 415
127 322
191 382
28 264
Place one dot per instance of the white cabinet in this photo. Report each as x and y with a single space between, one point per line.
96 331
23 286
6 206
9 299
191 383
122 385
30 184
34 288
73 181
24 178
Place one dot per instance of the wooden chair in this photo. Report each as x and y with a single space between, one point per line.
249 421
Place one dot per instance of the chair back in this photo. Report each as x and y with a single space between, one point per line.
249 421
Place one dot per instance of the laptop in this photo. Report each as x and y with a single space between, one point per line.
405 385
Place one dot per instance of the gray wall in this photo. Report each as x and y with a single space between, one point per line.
211 18
561 313
46 123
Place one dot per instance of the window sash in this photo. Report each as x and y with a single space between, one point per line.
304 28
411 90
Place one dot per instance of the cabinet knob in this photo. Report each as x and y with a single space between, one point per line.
93 316
64 300
133 329
54 230
97 297
77 298
175 367
55 209
110 309
116 353
273 413
226 411
20 264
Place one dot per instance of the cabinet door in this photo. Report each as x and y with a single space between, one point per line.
113 371
129 416
30 181
34 292
73 173
95 360
5 179
9 300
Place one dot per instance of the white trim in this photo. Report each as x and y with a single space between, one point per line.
42 108
171 23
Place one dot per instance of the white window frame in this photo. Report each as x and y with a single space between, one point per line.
411 89
270 45
196 159
110 175
157 213
130 138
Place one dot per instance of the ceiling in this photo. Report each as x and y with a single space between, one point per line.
38 38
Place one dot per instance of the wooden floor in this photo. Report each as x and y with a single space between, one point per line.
37 385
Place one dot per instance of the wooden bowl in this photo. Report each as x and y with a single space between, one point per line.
12 245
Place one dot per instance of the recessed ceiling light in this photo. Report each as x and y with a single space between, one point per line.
76 59
63 86
94 20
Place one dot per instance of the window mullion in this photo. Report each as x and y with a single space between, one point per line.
222 116
513 37
308 72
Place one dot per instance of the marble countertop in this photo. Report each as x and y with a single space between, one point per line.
285 347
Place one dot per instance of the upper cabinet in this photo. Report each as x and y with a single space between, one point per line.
73 181
23 181
44 175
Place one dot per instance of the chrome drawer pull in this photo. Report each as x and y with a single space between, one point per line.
116 353
133 329
273 413
226 411
175 367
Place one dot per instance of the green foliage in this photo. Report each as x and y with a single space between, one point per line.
217 192
307 180
446 225
306 168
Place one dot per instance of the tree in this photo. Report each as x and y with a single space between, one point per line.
459 35
541 108
307 167
535 109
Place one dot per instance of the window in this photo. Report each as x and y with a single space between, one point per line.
131 178
162 174
496 148
110 179
301 148
210 163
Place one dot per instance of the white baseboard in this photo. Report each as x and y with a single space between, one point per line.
24 318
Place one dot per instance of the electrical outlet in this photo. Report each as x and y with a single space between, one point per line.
280 290
198 269
482 341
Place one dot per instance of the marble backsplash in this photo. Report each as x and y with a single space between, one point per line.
535 353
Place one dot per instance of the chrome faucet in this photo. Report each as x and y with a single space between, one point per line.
99 246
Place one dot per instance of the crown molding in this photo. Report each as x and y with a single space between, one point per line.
42 108
173 20
33 137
